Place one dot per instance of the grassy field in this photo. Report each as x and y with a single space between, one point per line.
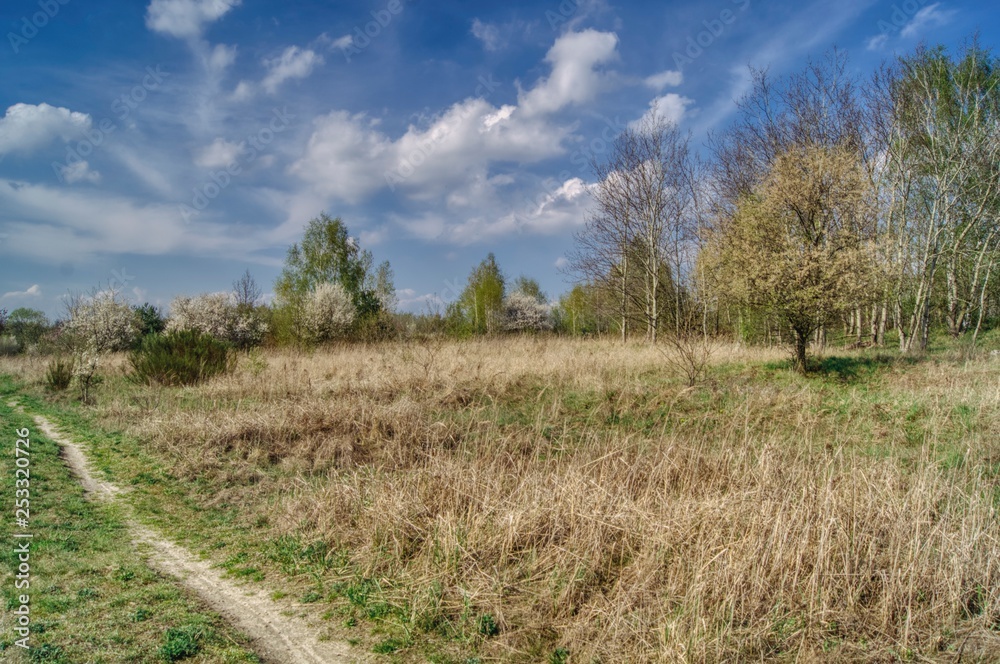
575 501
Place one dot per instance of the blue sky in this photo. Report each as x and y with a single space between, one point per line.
165 147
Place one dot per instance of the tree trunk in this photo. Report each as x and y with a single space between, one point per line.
801 344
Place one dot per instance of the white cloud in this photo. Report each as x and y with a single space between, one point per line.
141 167
80 172
553 211
574 78
877 42
671 106
561 263
928 17
32 291
343 42
221 58
345 157
26 126
488 34
219 154
461 170
292 63
659 81
66 224
185 18
243 91
349 158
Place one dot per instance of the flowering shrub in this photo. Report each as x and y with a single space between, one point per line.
104 322
328 312
218 315
522 312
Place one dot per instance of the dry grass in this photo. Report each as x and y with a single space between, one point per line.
584 497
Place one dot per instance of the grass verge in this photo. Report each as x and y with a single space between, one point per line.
91 599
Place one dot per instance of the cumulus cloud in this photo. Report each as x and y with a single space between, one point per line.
671 106
26 126
552 211
219 154
345 157
292 63
575 79
348 157
185 19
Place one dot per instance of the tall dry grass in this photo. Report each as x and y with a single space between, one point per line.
585 497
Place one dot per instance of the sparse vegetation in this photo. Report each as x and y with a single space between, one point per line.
59 374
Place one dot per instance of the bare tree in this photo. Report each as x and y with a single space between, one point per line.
634 242
246 291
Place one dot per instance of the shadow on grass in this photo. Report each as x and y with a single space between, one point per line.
850 369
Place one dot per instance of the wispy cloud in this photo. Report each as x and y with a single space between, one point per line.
185 18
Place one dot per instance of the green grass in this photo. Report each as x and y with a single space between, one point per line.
92 599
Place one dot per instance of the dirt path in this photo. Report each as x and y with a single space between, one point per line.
277 636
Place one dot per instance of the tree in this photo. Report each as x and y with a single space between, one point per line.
149 319
481 303
937 120
642 223
524 313
576 311
796 245
246 292
328 254
27 326
103 321
531 288
384 287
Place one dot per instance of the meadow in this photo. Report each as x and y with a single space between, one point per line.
543 499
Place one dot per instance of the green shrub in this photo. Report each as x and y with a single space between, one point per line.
182 357
59 374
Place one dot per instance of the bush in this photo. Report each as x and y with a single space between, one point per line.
182 357
524 313
59 374
9 345
104 322
219 315
328 312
